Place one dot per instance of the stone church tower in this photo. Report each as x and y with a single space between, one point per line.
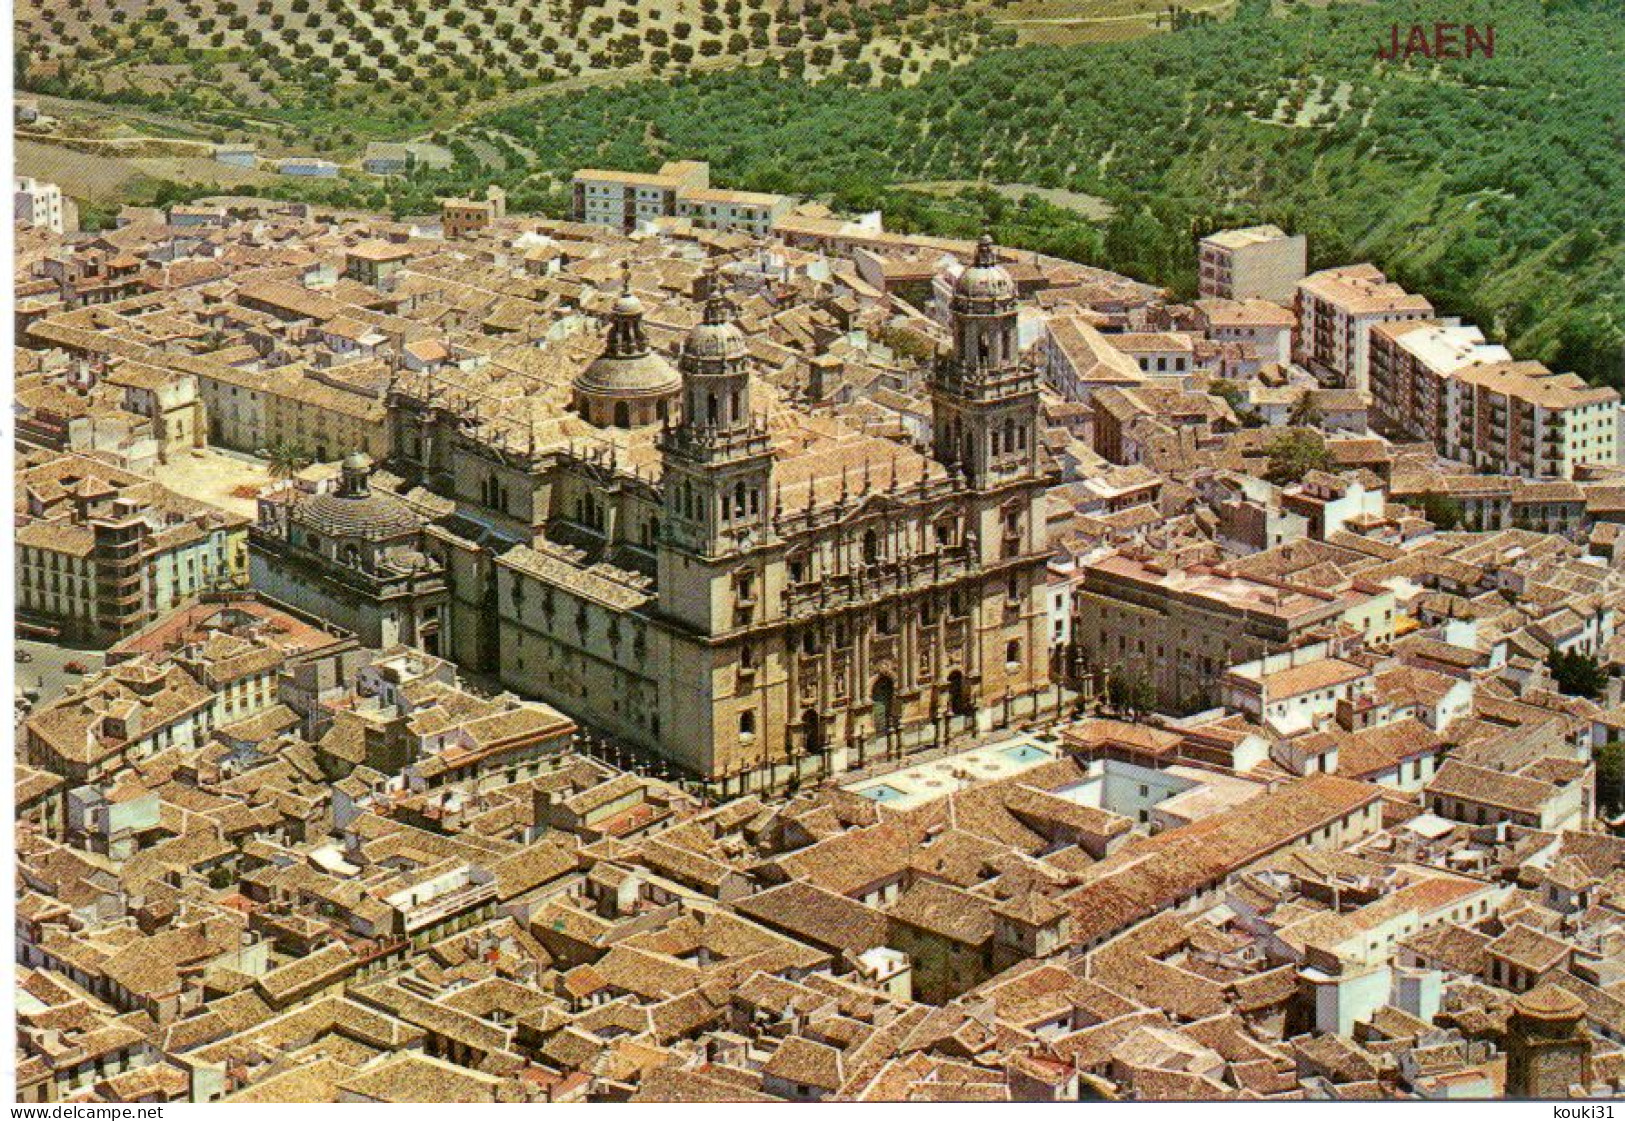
1548 1046
984 402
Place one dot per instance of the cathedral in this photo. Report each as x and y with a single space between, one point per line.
755 592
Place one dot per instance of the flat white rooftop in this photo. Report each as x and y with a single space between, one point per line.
926 782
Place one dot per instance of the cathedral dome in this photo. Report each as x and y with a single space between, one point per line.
984 282
367 514
632 375
715 337
628 384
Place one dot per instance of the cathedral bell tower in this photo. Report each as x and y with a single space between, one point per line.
716 461
984 403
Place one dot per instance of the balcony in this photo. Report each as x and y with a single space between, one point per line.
872 582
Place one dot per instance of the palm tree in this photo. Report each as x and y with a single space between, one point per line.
286 460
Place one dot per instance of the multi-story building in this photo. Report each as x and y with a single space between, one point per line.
753 597
681 189
351 555
460 217
752 212
101 552
38 203
130 713
170 401
1179 630
1259 262
1078 360
1268 327
1439 381
626 199
1337 309
1411 363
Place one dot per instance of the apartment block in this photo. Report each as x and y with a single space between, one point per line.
101 553
1181 629
1259 262
625 199
1337 309
1267 326
1440 381
37 203
747 211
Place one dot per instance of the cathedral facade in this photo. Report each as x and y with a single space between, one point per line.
758 595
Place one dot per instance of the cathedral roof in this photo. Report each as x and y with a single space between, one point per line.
984 281
373 515
715 336
627 367
628 376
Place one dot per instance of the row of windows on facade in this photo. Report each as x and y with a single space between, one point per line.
746 501
1005 439
883 696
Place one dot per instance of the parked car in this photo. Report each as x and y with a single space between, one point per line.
23 655
76 667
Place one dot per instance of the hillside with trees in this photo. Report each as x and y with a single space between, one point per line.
1495 186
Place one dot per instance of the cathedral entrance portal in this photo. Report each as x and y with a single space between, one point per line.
884 696
812 731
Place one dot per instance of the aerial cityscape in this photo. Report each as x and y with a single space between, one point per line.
768 612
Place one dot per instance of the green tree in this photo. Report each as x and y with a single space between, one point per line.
1611 777
1443 511
285 460
1294 454
1577 674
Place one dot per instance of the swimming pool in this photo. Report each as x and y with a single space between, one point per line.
882 793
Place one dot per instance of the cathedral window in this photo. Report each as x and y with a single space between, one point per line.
747 724
871 546
1012 654
739 500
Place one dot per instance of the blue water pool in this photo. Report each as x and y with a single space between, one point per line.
1025 753
882 793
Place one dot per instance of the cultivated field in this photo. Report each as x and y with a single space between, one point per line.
343 70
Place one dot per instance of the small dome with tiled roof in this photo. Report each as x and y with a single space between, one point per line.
984 282
355 510
715 337
1548 1002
